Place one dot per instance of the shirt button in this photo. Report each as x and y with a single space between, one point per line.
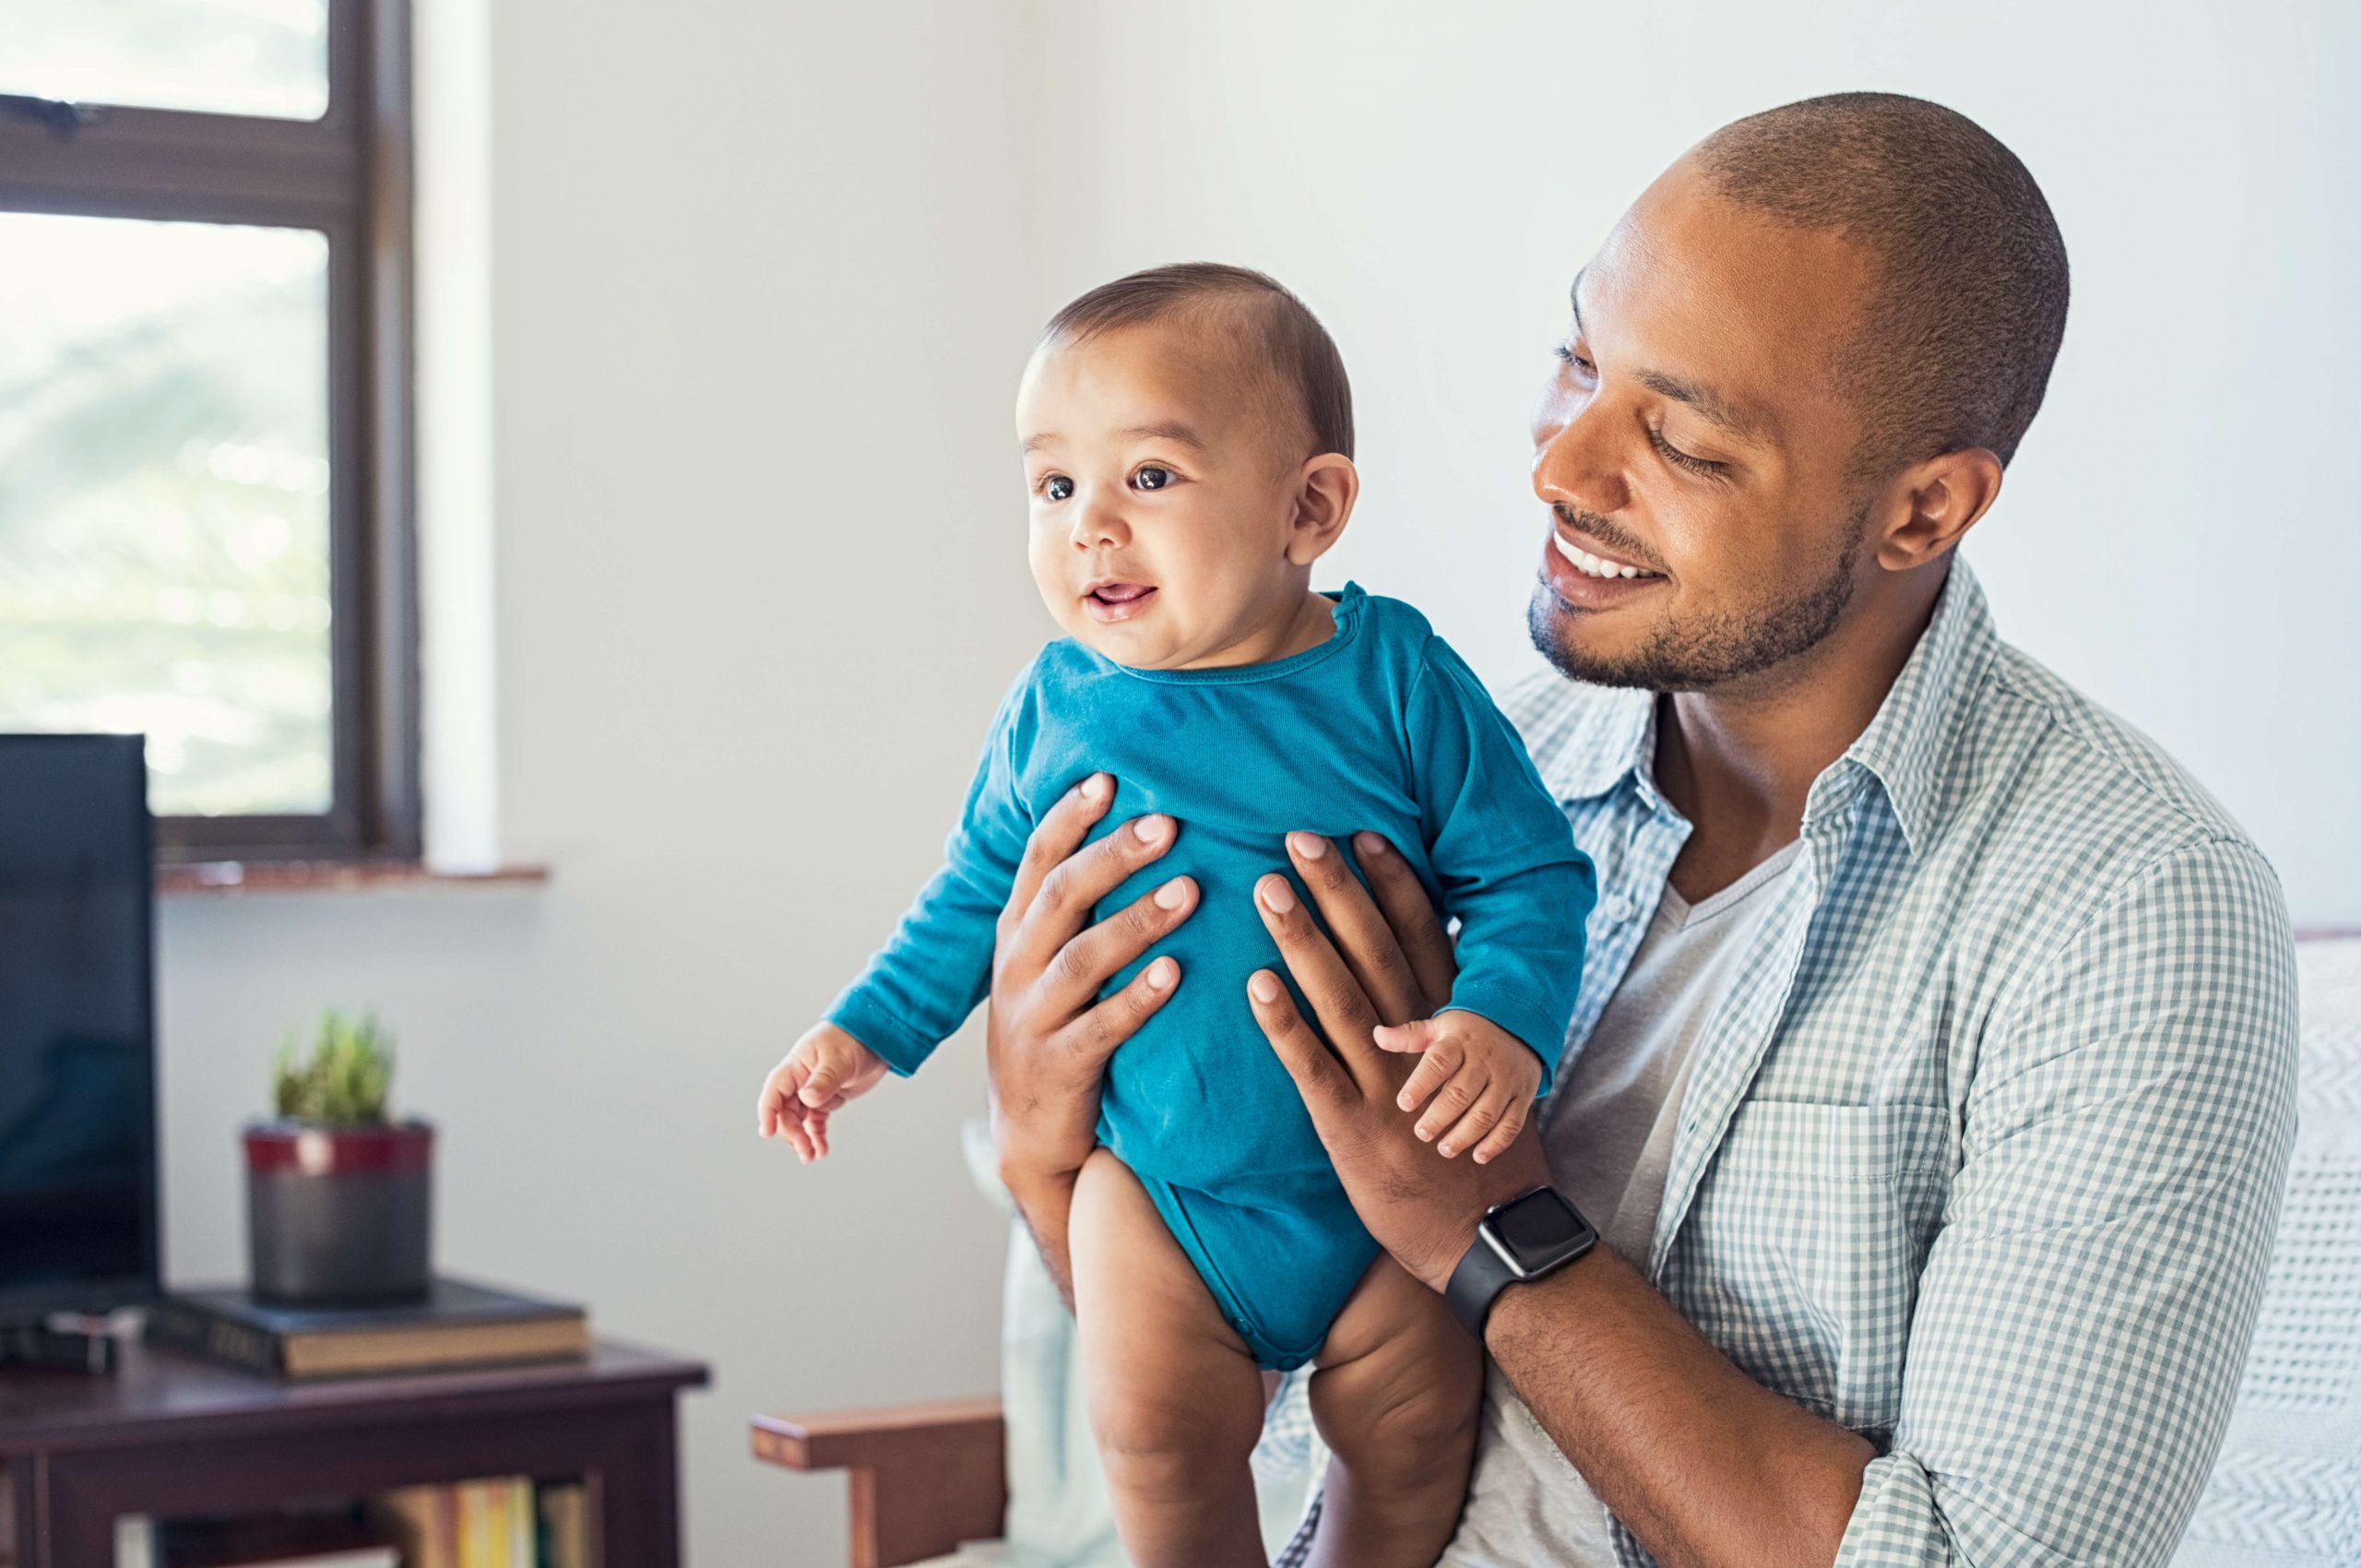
1620 907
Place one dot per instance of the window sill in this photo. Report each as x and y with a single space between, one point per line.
218 877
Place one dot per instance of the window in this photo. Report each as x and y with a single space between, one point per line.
205 467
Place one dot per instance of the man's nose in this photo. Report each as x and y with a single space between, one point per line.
1575 464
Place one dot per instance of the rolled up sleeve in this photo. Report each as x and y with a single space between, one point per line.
2085 1308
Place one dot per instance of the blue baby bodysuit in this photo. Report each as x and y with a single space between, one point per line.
1381 728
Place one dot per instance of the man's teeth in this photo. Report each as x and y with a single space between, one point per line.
1592 566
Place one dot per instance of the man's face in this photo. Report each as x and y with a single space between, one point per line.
1694 451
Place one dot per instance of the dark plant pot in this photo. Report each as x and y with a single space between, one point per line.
340 1215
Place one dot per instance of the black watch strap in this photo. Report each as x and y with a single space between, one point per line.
1542 1235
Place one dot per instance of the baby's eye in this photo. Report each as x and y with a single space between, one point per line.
1057 487
1152 478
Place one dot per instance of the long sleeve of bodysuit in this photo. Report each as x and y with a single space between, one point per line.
1504 856
918 989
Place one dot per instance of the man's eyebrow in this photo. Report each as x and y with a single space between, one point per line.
1169 430
1741 422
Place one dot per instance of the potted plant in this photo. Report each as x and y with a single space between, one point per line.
339 1199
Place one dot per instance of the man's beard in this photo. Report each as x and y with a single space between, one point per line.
1699 653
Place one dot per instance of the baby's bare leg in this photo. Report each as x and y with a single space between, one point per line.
1397 1393
1176 1400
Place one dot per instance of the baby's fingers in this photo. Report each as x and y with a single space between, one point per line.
1434 1069
1496 1142
1454 1100
1483 1117
771 1110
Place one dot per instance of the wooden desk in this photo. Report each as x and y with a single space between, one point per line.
169 1434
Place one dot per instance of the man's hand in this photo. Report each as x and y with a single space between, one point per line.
1394 966
1048 1034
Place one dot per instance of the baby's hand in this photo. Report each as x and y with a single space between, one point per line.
1487 1077
827 1068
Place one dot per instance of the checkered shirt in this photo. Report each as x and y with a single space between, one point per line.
1982 1155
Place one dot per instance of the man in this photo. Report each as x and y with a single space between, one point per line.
1934 1082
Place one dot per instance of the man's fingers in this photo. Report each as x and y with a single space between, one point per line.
1358 929
1097 1032
1073 889
1337 998
1410 915
1084 964
1321 1081
1059 832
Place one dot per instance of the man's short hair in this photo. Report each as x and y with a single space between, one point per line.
1281 342
1955 348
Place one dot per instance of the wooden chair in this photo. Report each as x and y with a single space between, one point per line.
924 1477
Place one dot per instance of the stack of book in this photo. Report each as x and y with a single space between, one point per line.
504 1521
458 1325
493 1523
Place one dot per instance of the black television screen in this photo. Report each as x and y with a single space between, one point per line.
78 1055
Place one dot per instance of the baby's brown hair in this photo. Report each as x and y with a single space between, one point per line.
1282 343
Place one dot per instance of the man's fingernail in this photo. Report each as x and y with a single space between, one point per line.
1152 829
1311 846
1370 844
1159 975
1094 787
1278 895
1173 894
1264 985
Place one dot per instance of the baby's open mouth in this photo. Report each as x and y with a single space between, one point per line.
1118 601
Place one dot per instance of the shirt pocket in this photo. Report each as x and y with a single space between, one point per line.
1801 1255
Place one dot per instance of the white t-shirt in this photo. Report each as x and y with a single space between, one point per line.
1608 1129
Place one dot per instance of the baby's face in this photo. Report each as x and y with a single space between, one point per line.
1162 509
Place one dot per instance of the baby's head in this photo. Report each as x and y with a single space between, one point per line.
1188 439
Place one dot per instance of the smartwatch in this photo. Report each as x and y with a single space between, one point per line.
1525 1238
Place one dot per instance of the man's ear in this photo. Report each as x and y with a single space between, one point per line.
1934 503
1325 491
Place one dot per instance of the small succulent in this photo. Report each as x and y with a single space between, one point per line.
347 1078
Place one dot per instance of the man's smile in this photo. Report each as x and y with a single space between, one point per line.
1588 578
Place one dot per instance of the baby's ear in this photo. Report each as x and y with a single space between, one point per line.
1325 490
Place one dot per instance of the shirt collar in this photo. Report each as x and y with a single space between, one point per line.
1906 747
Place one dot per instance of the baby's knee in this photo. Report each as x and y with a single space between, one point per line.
1173 1444
1408 1410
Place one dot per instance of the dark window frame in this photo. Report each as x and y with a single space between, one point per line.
346 174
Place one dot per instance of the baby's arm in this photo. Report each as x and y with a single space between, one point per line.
918 988
1504 857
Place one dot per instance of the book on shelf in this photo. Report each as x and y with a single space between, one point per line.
459 1324
509 1522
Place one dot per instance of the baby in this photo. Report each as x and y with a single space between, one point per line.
1187 437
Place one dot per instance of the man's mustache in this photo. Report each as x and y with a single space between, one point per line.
1614 536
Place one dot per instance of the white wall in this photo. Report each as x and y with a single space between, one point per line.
758 304
764 275
2178 534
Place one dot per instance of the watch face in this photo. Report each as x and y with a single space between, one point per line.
1540 1230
